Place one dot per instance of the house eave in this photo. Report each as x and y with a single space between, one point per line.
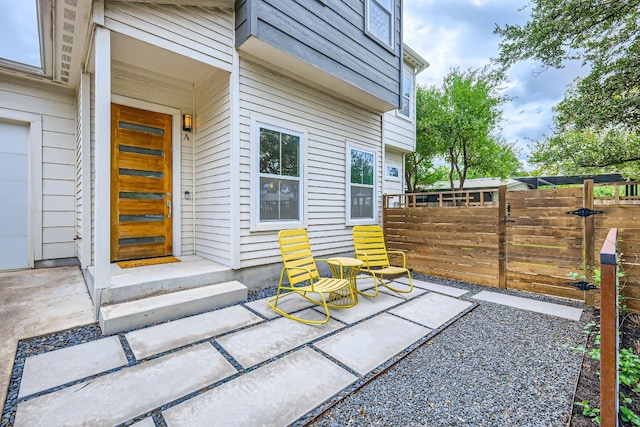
291 66
418 62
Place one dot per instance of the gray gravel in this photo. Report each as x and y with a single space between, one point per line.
495 366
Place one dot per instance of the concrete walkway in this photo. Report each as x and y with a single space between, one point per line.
241 365
38 302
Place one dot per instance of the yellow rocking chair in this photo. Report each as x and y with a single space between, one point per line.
303 275
368 241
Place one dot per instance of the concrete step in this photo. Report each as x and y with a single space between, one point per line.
140 282
161 308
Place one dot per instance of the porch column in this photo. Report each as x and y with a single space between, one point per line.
102 236
84 114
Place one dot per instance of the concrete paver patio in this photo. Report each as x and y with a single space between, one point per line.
200 370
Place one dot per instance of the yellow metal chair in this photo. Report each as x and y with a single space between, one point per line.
303 275
368 241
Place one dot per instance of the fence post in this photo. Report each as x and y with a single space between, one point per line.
502 237
588 237
609 331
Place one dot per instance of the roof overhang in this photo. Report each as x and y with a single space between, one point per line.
410 56
294 67
202 3
68 30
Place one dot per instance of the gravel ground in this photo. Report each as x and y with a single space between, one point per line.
495 366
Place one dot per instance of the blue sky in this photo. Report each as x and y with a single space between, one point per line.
18 31
459 33
447 33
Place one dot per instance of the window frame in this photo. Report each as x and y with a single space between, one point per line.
374 217
392 166
411 101
390 44
256 175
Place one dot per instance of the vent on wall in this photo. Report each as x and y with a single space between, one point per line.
63 62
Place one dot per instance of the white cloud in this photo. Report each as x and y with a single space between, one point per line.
459 33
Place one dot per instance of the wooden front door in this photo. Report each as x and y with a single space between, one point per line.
141 203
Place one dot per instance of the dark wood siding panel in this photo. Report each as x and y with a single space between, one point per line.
331 38
243 24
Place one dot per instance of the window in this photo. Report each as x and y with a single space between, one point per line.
407 94
280 175
379 18
393 172
361 191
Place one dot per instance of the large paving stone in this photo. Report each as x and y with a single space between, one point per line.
117 397
551 309
59 367
262 342
367 345
431 310
447 290
276 394
289 303
415 292
366 307
167 336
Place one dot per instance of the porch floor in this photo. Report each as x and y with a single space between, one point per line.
189 266
137 282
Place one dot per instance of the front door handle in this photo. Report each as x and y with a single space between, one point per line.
169 205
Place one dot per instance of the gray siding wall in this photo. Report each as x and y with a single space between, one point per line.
330 37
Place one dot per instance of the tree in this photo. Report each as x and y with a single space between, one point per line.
459 123
580 151
419 165
604 36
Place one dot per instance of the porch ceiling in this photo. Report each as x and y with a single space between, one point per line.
140 54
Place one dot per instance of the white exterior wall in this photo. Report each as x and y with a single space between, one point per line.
56 107
203 34
329 124
212 169
392 185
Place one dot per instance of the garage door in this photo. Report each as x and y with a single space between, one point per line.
14 200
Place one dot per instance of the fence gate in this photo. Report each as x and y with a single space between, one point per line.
544 242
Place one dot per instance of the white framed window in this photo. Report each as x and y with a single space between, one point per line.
361 185
379 18
407 94
279 178
392 172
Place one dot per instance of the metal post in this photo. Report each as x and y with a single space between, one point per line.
609 332
502 237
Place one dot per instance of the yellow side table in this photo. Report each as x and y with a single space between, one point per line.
348 268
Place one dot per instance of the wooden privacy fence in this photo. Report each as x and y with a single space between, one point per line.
530 239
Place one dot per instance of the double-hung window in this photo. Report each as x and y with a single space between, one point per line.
361 184
407 91
280 175
379 16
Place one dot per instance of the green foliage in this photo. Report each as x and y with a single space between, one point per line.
596 123
587 151
588 411
604 36
459 123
